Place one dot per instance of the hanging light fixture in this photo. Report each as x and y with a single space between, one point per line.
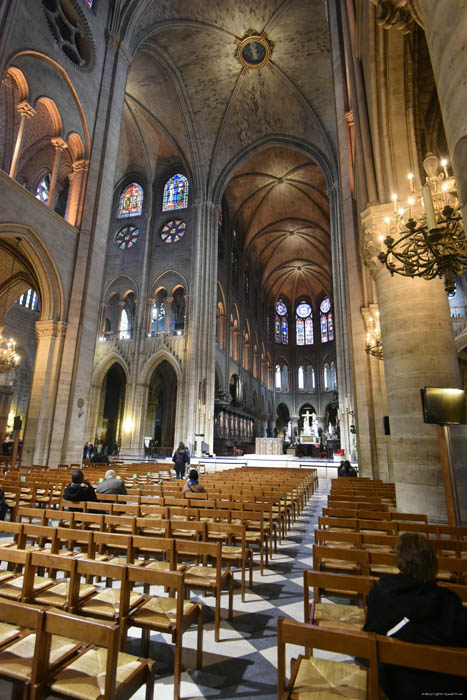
435 245
9 359
374 345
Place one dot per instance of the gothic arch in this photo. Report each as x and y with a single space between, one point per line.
151 364
103 367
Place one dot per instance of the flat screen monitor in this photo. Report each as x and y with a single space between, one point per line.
443 406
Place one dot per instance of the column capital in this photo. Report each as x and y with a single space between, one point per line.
59 144
25 109
402 14
47 329
80 165
372 232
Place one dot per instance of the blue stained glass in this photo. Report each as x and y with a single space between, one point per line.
325 305
308 331
285 330
330 327
281 308
175 194
300 331
324 328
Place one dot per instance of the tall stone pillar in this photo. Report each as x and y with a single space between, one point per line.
419 350
77 178
50 339
26 112
60 145
80 343
195 410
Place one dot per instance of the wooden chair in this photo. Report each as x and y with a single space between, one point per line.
93 674
59 594
341 561
12 585
22 627
169 615
336 615
211 579
326 678
235 552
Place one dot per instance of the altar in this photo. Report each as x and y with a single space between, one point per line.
269 446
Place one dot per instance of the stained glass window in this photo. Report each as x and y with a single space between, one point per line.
131 201
124 325
175 195
330 327
311 378
158 313
301 378
326 322
300 328
126 237
89 3
324 328
304 324
173 230
333 374
327 378
246 287
278 377
281 325
42 189
30 300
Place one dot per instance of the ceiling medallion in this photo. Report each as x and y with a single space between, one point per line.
253 50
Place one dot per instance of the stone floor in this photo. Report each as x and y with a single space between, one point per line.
244 663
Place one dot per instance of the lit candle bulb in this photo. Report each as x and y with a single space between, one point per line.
444 165
410 176
387 221
394 199
429 208
401 212
410 202
445 188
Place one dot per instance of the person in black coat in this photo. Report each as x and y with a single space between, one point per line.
410 606
181 458
79 490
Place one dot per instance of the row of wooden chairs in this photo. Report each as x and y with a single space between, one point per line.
341 679
48 651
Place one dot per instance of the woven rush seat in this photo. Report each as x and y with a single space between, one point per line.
5 575
85 677
7 632
17 658
163 566
13 588
58 595
124 561
161 612
320 679
349 617
107 603
197 572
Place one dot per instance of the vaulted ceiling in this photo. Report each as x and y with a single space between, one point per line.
190 99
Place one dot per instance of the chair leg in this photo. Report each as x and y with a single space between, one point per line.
149 685
199 651
177 664
145 642
230 598
217 616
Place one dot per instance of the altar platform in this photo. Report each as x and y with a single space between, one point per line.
327 468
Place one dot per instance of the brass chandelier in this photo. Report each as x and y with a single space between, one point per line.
434 245
9 359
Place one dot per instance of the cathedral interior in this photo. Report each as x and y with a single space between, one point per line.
198 200
195 202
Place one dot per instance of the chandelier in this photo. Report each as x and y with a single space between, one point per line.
374 345
9 359
434 245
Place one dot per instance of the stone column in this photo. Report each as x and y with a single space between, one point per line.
195 405
77 178
50 340
60 145
26 112
80 343
419 350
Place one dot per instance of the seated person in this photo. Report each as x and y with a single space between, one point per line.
111 484
192 485
410 606
79 490
3 505
346 469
